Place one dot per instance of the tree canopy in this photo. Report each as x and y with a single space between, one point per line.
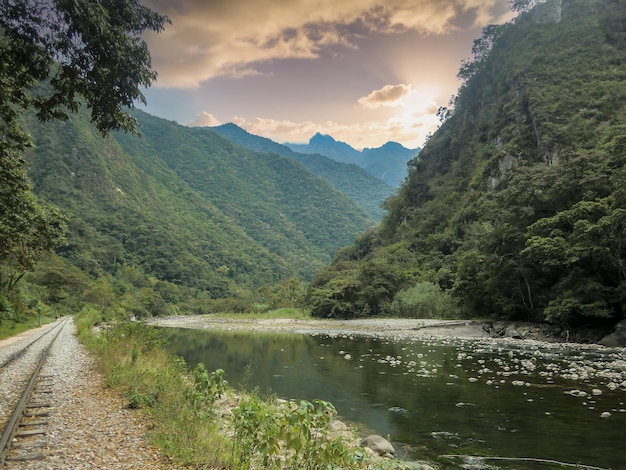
515 207
55 55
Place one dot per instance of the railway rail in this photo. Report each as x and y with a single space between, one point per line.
23 418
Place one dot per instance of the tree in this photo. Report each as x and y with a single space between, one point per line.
55 55
84 48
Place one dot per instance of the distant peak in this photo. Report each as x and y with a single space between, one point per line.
319 138
229 125
393 145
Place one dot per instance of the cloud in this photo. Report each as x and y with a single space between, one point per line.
204 119
231 38
389 95
360 135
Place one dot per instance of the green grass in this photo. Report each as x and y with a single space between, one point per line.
10 328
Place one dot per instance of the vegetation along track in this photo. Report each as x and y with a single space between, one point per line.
25 397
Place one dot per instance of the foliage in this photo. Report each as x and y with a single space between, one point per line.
185 224
294 435
347 178
93 51
423 300
28 229
207 387
53 56
515 207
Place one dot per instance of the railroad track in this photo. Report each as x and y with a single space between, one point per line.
24 428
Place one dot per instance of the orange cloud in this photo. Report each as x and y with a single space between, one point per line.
229 37
389 95
359 135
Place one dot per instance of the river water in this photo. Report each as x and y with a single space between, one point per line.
461 403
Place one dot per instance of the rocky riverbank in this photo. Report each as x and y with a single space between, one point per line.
388 327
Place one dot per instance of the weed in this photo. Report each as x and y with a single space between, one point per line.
291 436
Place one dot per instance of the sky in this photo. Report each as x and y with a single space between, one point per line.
363 71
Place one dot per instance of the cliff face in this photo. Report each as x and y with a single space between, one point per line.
515 207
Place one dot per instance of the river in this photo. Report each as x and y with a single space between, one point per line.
458 402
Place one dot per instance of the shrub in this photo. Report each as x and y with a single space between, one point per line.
423 300
294 435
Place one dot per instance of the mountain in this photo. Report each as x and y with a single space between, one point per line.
329 147
516 207
359 185
186 206
387 162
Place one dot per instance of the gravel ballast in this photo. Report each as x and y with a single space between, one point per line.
90 426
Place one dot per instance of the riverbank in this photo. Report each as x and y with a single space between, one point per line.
379 327
442 387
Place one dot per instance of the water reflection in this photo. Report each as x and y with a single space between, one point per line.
433 398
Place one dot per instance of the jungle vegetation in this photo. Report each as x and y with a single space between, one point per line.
365 189
52 61
516 207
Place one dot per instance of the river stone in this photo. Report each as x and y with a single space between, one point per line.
511 332
379 444
617 339
336 425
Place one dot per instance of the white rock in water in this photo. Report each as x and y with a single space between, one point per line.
606 414
596 391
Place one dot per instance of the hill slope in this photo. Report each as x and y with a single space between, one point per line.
368 191
187 205
516 207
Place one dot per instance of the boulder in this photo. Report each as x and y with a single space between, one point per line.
511 332
337 426
379 445
617 339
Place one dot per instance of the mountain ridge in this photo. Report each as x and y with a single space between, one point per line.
387 162
358 184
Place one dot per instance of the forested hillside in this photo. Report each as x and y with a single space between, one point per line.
368 191
516 207
184 207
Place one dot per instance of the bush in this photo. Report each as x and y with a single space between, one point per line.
294 435
6 310
423 300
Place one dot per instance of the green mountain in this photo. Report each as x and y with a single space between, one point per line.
368 191
387 163
187 206
516 207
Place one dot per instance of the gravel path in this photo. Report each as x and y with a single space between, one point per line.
90 426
